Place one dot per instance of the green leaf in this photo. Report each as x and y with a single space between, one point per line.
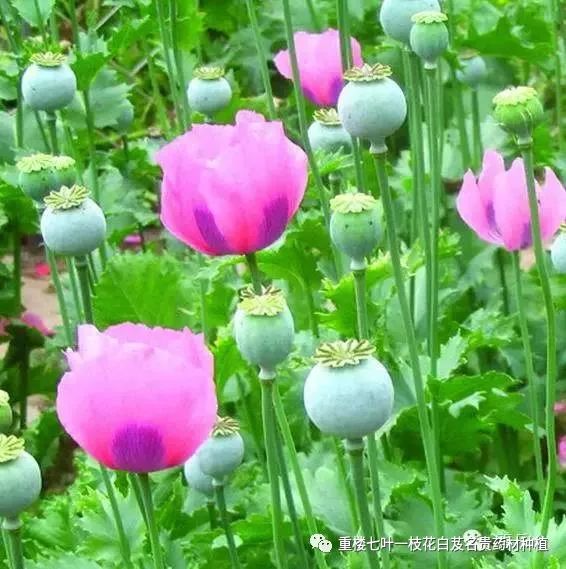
69 561
143 288
29 11
86 68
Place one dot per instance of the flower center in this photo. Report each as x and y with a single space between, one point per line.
48 59
209 72
515 96
67 198
10 448
327 117
429 17
36 163
138 448
352 203
368 73
270 302
225 426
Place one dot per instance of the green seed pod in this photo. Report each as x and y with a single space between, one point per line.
355 227
429 37
209 91
197 479
474 70
125 118
37 176
396 16
223 452
518 110
372 106
348 394
20 478
264 328
48 84
72 224
6 415
327 133
558 254
65 171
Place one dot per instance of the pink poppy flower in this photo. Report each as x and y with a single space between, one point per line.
560 408
231 189
562 452
30 319
138 399
41 270
320 65
496 205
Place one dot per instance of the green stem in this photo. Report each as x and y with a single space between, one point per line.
211 514
225 520
427 435
264 70
272 469
160 108
356 451
81 264
297 472
136 488
363 333
167 58
51 261
343 473
151 522
290 501
255 274
42 133
91 146
301 110
74 289
179 64
203 289
24 388
551 357
41 25
557 18
7 547
461 119
476 121
52 128
500 258
124 544
13 529
313 15
17 270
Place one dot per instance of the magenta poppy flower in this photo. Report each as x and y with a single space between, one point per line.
30 319
320 65
231 189
562 452
496 205
138 399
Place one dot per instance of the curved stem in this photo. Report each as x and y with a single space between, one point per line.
551 358
301 111
290 500
255 274
273 471
60 296
529 367
342 472
225 520
124 544
476 121
356 451
297 472
427 435
264 70
151 522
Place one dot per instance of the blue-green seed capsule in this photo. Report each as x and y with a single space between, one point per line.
20 478
348 394
429 37
396 16
372 106
197 479
327 133
72 224
209 91
473 72
558 254
48 84
264 328
223 452
355 226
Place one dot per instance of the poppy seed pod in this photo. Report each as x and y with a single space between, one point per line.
72 224
518 110
223 452
20 478
348 394
197 479
40 174
396 16
264 328
6 415
355 226
558 254
327 133
372 106
429 37
208 90
48 84
474 70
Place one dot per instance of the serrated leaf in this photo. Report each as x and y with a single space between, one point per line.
86 68
143 288
29 12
